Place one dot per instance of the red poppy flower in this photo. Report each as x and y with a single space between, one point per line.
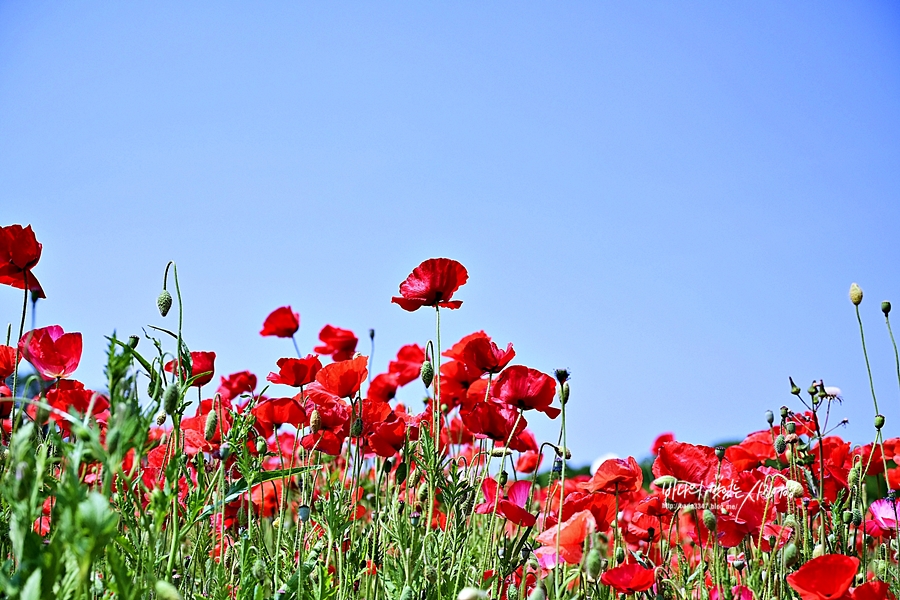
334 420
70 395
484 355
432 283
344 378
629 578
272 413
296 372
338 343
529 461
223 408
872 590
456 350
512 508
281 322
236 384
8 361
19 253
408 365
52 352
665 438
494 420
616 475
571 536
526 388
383 388
824 578
201 362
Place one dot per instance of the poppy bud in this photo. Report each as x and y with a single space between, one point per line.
879 421
780 444
225 451
770 417
720 452
400 474
422 495
594 563
560 451
564 393
259 569
500 452
853 476
790 554
427 373
857 517
133 341
261 445
886 308
502 477
164 302
303 513
709 519
471 593
512 592
665 481
171 398
387 466
212 421
357 428
620 555
856 294
790 427
794 488
315 421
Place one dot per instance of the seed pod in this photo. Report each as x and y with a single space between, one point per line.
261 445
171 398
502 478
739 564
164 302
564 393
886 308
303 513
770 417
709 519
212 421
133 341
856 294
427 373
225 451
512 592
879 422
594 563
357 428
315 421
780 444
720 452
790 427
790 554
414 518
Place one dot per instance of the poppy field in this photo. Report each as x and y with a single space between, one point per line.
175 481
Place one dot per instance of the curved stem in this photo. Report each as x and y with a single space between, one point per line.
866 355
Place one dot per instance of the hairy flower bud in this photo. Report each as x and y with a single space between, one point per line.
166 591
780 444
164 302
794 488
856 294
791 554
427 373
261 445
709 519
594 563
212 421
171 398
620 555
357 428
315 421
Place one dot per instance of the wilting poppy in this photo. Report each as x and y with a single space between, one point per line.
484 355
296 372
52 352
8 361
512 507
344 378
19 253
432 283
281 322
338 343
526 388
824 578
201 362
629 578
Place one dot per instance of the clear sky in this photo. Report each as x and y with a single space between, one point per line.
670 199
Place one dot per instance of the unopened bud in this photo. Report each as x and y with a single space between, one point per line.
164 302
315 421
261 445
537 593
780 444
500 452
620 555
709 519
212 421
847 517
560 451
594 563
471 593
886 308
166 591
857 517
794 488
427 373
856 294
790 554
818 551
357 428
171 398
665 481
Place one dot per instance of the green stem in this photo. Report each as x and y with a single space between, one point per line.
887 319
866 355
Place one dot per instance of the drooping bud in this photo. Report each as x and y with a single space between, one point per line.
594 563
166 591
171 398
261 445
790 554
537 593
427 373
853 476
212 421
259 569
886 308
857 517
500 452
794 488
225 451
856 294
709 519
315 421
357 428
780 444
879 421
164 302
770 417
665 481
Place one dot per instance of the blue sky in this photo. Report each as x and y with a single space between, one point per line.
670 199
